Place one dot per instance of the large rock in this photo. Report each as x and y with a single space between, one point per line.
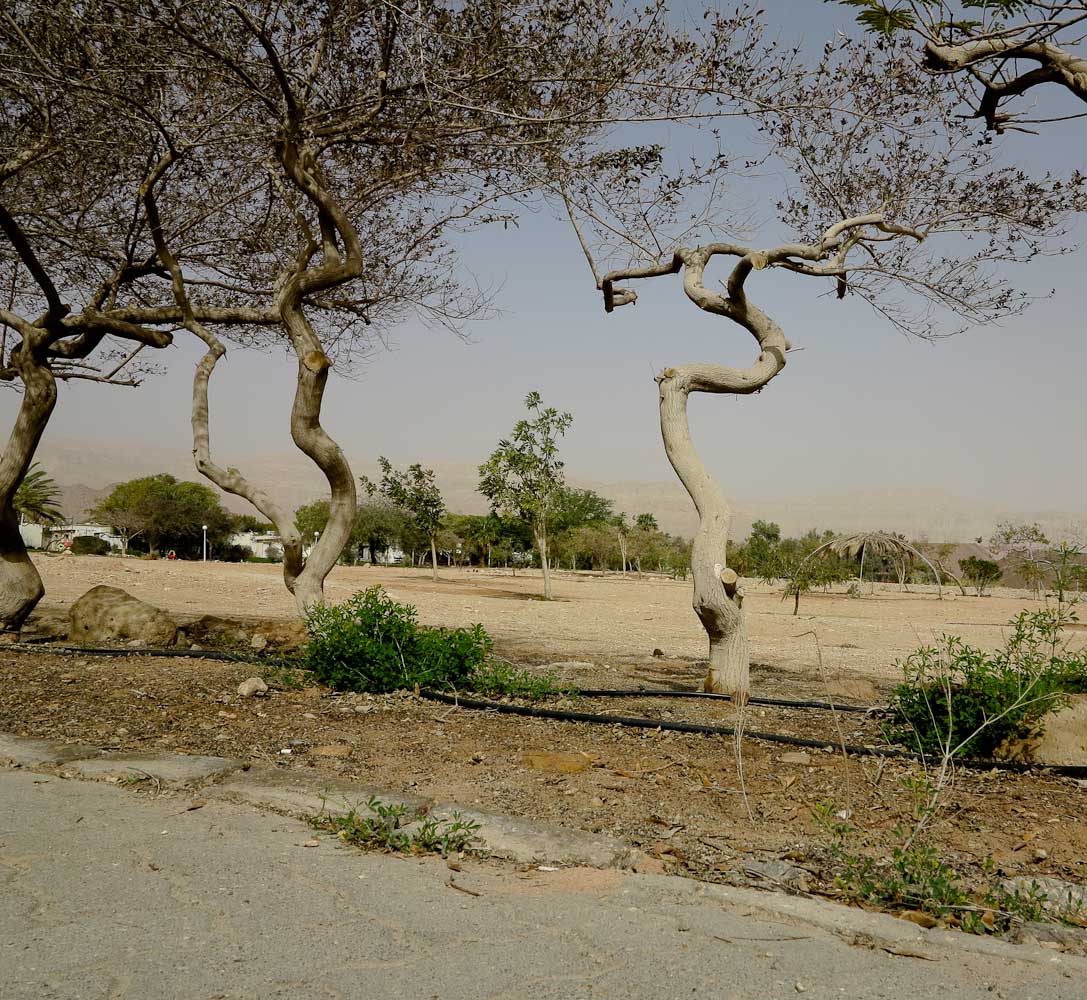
109 614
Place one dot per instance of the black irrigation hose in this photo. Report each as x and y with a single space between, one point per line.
672 693
636 722
630 721
213 654
201 654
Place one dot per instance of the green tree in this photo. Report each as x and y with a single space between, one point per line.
310 519
164 512
247 522
415 492
981 573
576 508
378 526
524 475
645 522
36 498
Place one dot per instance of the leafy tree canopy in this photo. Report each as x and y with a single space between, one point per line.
165 513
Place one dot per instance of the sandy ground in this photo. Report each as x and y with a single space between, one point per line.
676 795
601 619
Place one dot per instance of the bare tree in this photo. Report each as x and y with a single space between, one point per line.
994 52
887 183
301 169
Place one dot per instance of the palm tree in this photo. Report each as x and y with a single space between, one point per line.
878 543
36 498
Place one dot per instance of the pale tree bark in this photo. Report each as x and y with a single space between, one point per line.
303 576
20 584
541 543
1054 65
718 597
434 558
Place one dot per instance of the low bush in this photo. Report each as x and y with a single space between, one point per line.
89 545
373 643
959 700
498 678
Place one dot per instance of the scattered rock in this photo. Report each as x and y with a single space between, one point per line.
252 687
136 643
645 865
1056 936
1063 739
109 614
258 643
798 757
658 652
778 872
1060 896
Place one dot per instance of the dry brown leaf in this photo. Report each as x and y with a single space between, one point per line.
918 917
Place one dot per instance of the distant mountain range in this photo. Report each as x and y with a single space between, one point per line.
87 470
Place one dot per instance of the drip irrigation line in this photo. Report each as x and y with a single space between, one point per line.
227 657
603 719
672 693
636 722
201 654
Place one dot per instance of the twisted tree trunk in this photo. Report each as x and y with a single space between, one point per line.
718 597
20 585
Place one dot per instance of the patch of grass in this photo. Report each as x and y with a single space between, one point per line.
498 678
379 826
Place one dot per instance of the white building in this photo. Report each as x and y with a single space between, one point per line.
58 537
259 544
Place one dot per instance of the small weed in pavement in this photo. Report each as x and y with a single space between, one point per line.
379 826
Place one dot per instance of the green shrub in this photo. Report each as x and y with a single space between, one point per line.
499 678
90 545
967 701
373 643
980 572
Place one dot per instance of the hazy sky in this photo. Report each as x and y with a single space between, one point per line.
996 412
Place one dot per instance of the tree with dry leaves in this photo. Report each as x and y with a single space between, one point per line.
263 174
890 200
999 56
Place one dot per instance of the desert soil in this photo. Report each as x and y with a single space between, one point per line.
675 795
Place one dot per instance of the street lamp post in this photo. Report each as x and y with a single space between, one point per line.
205 543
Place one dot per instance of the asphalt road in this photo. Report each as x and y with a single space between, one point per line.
105 893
